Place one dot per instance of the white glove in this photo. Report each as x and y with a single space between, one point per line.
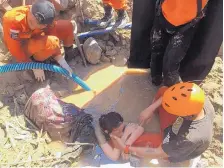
39 74
65 65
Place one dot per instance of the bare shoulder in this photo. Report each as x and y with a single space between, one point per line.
133 126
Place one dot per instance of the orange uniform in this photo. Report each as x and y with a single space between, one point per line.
116 4
23 42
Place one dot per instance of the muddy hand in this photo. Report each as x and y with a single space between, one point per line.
145 116
39 75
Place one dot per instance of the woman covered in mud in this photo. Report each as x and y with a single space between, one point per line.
112 124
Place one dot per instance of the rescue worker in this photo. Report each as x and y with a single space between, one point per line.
186 120
32 34
171 35
120 7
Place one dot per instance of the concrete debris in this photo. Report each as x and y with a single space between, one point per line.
111 52
92 51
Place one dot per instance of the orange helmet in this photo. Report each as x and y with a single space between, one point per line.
183 99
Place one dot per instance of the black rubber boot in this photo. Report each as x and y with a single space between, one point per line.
71 52
122 18
108 16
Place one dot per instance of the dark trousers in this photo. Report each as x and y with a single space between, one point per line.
168 48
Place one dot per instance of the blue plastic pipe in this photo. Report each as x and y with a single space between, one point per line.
101 31
49 67
95 22
90 21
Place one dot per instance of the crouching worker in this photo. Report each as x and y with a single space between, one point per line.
174 27
120 7
186 119
32 34
63 121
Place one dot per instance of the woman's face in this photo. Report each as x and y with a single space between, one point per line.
118 131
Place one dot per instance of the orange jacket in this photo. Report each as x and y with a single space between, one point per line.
116 4
17 32
179 12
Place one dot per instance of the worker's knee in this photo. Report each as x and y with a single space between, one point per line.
42 43
44 47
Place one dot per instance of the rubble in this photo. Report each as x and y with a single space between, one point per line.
92 51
